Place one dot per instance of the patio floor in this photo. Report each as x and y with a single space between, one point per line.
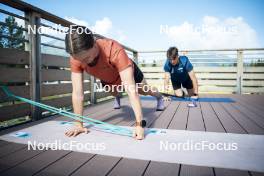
244 116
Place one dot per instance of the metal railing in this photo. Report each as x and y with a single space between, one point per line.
218 71
44 74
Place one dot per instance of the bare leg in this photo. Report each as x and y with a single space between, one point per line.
117 96
178 92
190 92
145 89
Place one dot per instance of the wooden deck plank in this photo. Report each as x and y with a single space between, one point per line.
249 114
189 170
257 173
37 163
249 125
165 118
102 106
207 116
61 118
180 118
67 164
129 167
16 158
256 99
148 112
10 148
3 143
249 105
195 119
211 121
196 123
136 169
211 126
230 172
93 166
98 111
162 168
229 124
249 102
99 165
82 158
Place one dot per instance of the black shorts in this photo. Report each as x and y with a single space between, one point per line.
138 75
186 84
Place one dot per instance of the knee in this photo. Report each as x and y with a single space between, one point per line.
179 93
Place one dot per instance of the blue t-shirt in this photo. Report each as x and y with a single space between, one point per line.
180 71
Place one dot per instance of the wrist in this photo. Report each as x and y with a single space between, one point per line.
141 123
139 118
79 124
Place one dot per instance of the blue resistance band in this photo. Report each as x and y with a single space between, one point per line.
102 125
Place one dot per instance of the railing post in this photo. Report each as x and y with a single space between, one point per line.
240 70
93 91
35 62
135 57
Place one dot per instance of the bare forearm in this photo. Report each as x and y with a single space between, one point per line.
166 84
136 105
77 102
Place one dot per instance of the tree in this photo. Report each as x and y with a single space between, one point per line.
14 32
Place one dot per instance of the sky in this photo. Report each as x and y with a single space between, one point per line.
157 25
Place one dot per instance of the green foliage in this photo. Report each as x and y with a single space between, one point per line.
258 63
154 64
14 32
143 64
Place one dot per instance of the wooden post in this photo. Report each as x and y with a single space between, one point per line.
35 63
135 57
93 91
240 70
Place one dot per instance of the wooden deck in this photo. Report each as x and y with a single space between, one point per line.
245 116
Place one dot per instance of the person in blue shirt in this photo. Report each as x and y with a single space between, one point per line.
180 70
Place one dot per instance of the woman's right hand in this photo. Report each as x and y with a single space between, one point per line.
76 131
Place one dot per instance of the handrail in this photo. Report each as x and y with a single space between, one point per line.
12 14
200 50
23 6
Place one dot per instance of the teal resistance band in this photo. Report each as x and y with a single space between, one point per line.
104 126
